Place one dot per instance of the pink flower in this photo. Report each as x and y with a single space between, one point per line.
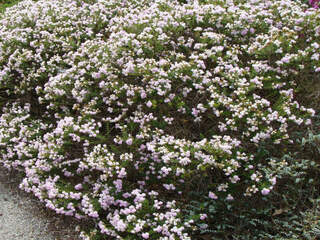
273 180
265 191
212 196
203 216
195 112
149 104
129 141
244 32
78 186
143 95
145 235
96 75
314 3
118 184
229 197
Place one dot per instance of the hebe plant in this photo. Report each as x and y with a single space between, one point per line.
119 111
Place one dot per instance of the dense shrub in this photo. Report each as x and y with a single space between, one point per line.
146 116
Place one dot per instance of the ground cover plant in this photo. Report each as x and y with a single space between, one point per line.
165 119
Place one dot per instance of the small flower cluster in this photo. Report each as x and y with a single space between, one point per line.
314 3
116 110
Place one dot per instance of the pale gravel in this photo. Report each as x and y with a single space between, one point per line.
23 217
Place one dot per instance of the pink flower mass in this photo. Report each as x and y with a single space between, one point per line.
146 117
314 3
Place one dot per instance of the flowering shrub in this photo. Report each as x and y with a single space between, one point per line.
116 112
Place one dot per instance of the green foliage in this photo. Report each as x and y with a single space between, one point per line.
7 3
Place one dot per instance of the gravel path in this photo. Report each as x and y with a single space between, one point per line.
22 217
